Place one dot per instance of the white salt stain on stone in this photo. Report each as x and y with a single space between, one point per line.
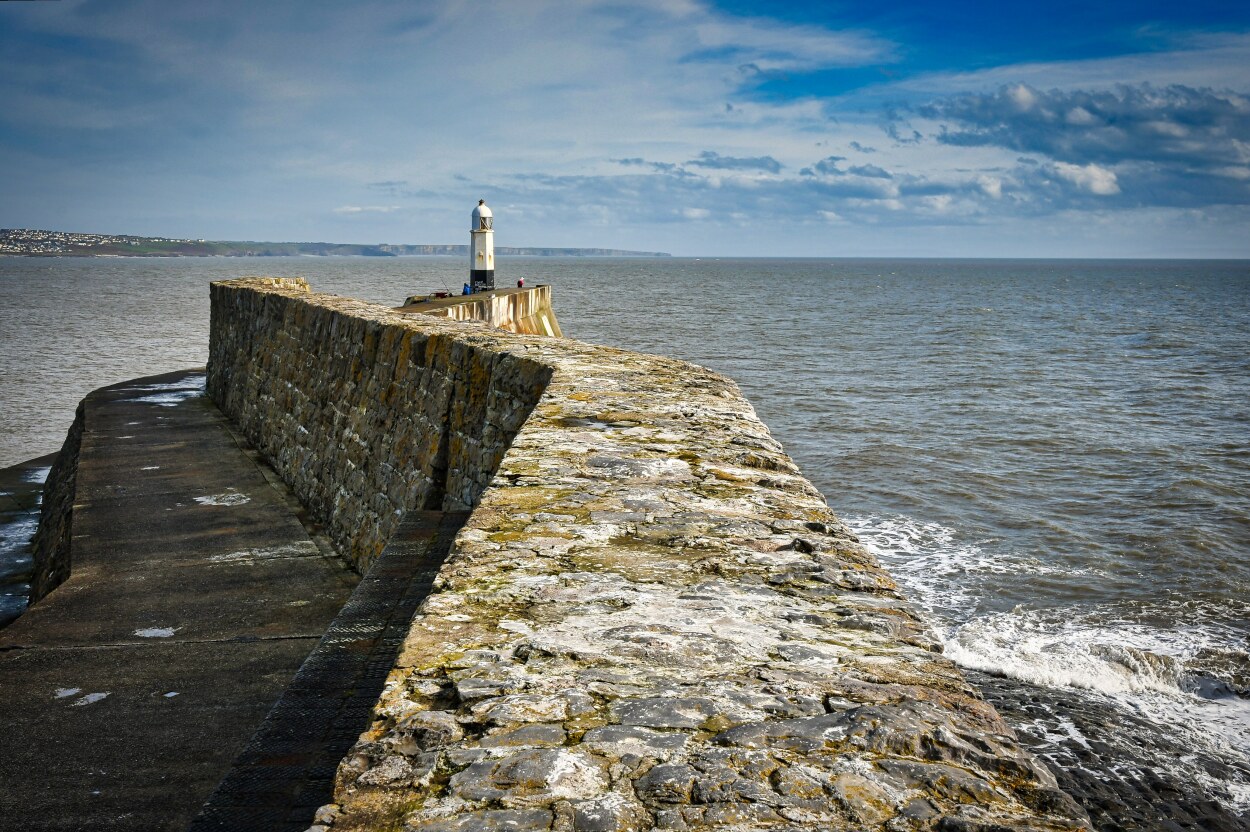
89 699
391 770
716 627
600 533
544 517
535 580
629 468
572 778
156 632
521 708
249 557
226 499
598 383
62 693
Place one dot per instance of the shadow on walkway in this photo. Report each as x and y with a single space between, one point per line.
287 771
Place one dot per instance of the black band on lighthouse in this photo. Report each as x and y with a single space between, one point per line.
482 280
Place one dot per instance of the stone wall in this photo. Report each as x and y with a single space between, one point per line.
651 620
364 418
523 311
50 547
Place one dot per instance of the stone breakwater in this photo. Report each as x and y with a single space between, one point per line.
651 620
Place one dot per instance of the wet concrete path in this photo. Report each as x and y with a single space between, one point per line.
196 594
287 770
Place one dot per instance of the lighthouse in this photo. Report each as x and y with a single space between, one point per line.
482 249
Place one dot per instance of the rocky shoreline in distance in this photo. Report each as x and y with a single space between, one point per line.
23 242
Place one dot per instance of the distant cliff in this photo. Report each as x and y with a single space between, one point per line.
35 243
520 251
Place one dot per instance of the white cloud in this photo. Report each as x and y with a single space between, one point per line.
274 112
472 86
1168 128
366 209
1022 97
1093 178
1080 117
1219 61
773 46
992 186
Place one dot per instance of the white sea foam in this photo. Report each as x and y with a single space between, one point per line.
1056 648
1106 648
1218 728
945 576
1140 668
1240 793
1115 653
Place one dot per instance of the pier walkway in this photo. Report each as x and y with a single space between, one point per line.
198 611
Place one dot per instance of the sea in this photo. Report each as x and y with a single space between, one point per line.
1052 457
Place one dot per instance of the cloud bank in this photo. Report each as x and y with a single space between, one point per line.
636 126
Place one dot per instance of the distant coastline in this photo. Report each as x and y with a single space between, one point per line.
22 242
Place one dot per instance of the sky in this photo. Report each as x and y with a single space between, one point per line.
736 128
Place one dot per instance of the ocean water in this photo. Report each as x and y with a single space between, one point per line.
1052 457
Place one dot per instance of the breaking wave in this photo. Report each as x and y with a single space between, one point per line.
1183 669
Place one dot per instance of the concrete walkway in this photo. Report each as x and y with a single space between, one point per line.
196 594
287 770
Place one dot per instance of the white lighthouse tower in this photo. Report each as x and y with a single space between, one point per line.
482 249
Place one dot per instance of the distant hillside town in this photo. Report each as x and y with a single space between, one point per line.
33 243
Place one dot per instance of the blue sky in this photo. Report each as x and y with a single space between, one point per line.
745 127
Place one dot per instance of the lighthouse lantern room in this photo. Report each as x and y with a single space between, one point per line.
482 249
